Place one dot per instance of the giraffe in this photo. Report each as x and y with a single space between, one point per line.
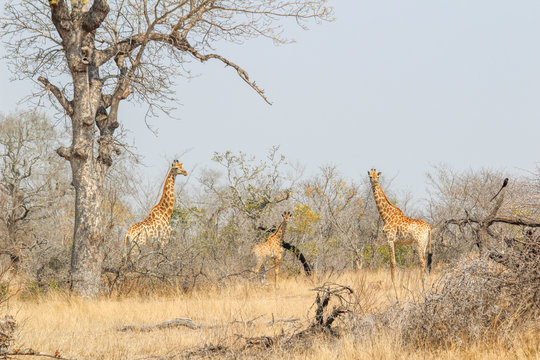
156 225
272 247
401 229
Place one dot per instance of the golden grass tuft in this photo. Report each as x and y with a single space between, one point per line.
85 329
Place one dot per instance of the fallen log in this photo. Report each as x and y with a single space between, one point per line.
178 322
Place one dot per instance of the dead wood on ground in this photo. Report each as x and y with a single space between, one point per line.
178 322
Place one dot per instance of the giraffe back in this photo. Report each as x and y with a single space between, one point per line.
269 248
408 230
272 247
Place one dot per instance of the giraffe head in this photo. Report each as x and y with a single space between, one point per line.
374 176
177 168
286 215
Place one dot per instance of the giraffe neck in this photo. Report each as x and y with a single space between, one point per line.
166 203
386 209
279 233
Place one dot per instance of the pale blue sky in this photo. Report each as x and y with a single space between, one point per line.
398 85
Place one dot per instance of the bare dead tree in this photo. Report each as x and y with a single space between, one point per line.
99 53
344 299
460 198
28 185
481 225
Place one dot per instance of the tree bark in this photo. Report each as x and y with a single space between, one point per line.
88 169
88 176
88 237
89 160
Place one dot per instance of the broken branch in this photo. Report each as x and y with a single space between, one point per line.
66 104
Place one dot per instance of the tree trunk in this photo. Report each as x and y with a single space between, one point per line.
93 129
482 240
88 175
92 140
88 236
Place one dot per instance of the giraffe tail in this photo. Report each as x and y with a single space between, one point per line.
299 256
429 254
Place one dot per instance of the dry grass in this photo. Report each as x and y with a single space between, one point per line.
89 329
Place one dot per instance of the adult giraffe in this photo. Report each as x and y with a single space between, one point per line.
156 225
401 229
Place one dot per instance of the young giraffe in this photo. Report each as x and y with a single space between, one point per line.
156 225
400 229
272 247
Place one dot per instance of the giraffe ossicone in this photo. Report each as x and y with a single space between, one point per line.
272 247
156 226
399 228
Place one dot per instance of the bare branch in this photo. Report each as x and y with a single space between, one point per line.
66 104
128 45
241 72
65 152
60 16
514 221
23 215
95 16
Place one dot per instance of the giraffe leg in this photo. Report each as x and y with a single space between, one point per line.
391 247
422 259
258 266
276 269
260 261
